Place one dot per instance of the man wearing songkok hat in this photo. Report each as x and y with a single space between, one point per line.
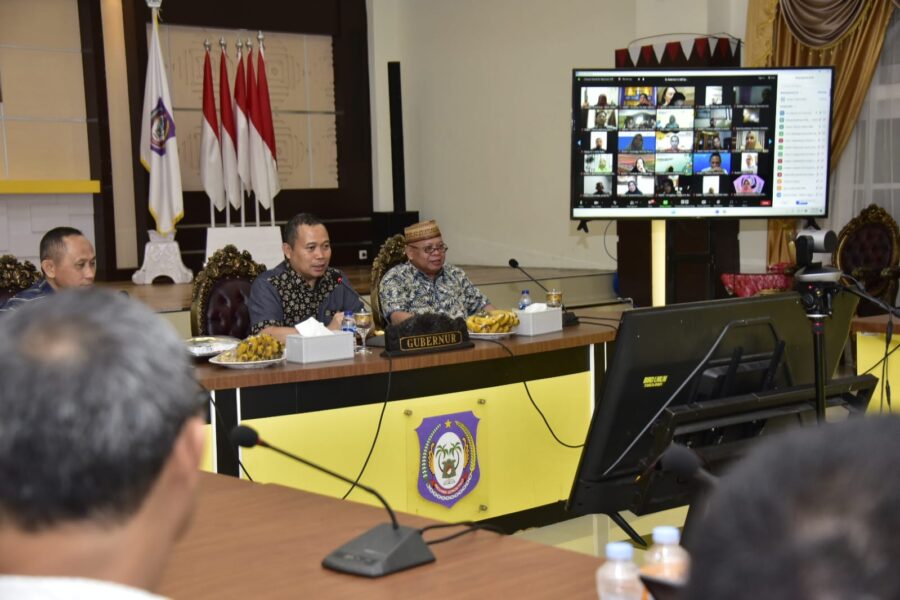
425 283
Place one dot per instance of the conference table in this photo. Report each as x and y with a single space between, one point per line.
331 412
252 540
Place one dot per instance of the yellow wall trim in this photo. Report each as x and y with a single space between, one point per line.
60 186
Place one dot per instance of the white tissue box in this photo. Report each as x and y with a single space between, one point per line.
319 348
536 323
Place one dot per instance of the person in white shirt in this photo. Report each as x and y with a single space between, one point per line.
101 437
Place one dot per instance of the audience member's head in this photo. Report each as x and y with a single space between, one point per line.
100 439
811 515
67 258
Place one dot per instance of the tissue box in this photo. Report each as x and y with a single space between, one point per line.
537 323
302 349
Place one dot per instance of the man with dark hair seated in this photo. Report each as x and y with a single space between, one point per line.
101 436
68 261
812 515
302 286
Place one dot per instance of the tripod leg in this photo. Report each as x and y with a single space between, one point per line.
624 526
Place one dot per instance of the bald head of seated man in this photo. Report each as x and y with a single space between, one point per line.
68 261
426 283
101 437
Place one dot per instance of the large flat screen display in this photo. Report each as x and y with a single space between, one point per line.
732 143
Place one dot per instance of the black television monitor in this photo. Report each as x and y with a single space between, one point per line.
712 375
769 127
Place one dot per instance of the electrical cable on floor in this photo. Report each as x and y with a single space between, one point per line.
533 403
387 395
221 421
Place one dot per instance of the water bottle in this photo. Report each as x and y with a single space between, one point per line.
618 578
665 559
348 324
524 300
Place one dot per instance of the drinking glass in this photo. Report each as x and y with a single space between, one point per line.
554 298
363 321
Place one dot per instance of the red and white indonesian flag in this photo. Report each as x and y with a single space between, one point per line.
228 137
159 150
241 126
263 169
268 130
210 151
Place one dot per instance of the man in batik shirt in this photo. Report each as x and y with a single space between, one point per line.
302 286
426 284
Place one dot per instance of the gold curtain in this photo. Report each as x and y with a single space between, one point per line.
848 35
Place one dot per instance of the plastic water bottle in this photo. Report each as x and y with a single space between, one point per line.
524 300
618 578
666 559
348 324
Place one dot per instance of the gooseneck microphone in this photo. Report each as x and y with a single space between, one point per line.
380 551
343 282
568 317
685 463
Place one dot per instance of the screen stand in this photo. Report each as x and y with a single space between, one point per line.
658 262
628 529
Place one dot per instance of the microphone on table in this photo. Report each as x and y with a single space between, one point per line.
385 549
685 463
568 317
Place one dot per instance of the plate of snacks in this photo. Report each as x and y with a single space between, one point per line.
210 345
493 325
255 352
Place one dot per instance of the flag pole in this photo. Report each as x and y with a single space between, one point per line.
212 208
222 47
239 45
158 153
256 200
260 37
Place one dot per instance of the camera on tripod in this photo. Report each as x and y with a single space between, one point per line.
816 284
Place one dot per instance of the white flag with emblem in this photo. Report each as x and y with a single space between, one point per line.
159 150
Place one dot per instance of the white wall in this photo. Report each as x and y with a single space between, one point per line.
487 109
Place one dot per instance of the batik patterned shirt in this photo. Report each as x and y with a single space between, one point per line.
407 289
281 298
40 289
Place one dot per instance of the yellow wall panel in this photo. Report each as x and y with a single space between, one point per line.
48 85
521 465
40 23
869 352
39 150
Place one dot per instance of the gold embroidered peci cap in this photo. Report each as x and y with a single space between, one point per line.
424 230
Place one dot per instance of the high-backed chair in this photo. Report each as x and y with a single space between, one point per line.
220 294
392 252
15 276
869 250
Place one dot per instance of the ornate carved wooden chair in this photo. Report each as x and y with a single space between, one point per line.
392 252
15 276
220 294
869 250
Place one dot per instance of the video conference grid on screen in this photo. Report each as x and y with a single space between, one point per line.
700 143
